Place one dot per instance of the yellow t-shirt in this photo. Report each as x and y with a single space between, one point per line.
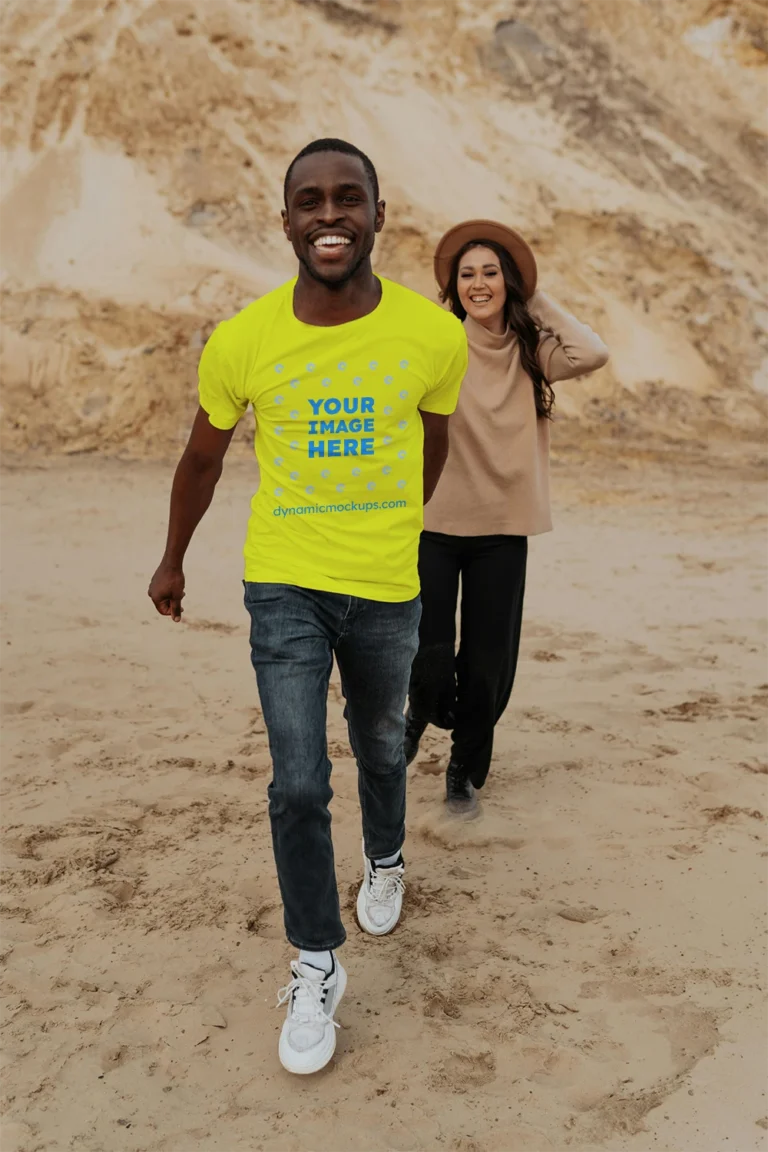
339 439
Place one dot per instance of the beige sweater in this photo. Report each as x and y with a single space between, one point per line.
496 479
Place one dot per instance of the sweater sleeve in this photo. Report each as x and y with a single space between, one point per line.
567 347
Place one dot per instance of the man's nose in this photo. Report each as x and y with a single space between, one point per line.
330 211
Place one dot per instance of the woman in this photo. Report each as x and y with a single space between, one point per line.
493 494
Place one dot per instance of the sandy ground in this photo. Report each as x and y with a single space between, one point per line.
583 967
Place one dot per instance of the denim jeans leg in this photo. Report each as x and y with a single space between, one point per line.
291 652
375 653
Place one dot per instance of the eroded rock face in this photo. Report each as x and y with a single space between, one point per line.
145 146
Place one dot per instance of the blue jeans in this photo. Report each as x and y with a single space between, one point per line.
295 633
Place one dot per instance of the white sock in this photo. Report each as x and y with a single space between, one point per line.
387 861
321 960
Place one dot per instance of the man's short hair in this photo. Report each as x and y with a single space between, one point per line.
330 144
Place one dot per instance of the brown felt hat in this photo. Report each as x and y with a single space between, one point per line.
456 237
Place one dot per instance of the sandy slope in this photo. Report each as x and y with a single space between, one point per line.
144 144
583 967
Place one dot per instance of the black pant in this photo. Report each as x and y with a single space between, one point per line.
468 692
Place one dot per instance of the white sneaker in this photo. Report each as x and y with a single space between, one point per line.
308 1038
380 899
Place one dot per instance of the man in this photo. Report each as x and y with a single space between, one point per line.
352 379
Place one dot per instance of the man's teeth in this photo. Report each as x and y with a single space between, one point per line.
331 241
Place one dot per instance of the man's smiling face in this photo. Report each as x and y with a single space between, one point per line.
331 217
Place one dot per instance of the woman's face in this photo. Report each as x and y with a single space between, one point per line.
481 288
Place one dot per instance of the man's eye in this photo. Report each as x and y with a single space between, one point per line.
307 203
351 199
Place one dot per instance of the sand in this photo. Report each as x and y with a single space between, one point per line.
580 968
584 966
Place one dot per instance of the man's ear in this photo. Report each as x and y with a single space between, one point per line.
286 225
381 211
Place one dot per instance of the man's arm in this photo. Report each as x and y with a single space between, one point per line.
435 450
196 478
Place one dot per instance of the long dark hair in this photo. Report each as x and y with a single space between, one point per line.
517 315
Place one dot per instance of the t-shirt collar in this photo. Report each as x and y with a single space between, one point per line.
377 311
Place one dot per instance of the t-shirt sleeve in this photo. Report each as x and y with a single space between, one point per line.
217 385
451 363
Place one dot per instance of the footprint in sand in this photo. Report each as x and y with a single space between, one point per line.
436 1003
11 708
462 1071
581 915
430 766
758 767
212 626
440 828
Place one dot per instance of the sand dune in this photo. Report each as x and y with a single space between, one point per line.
144 145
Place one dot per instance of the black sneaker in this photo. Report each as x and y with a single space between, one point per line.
414 730
460 794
